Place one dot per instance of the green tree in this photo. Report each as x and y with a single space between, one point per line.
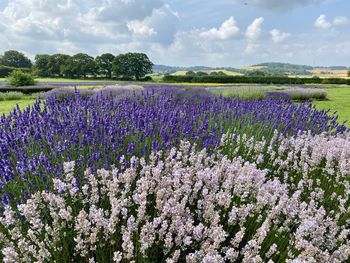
104 64
132 65
190 73
256 73
349 73
19 78
41 66
13 58
79 65
56 64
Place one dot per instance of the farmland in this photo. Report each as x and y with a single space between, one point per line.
174 172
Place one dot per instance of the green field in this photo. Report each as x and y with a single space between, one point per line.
338 100
7 106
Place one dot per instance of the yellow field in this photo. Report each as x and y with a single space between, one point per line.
329 73
254 67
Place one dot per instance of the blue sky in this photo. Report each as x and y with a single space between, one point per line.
183 32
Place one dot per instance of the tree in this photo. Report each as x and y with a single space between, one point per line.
349 73
79 65
56 63
190 73
132 65
201 73
256 73
41 66
104 64
19 78
13 58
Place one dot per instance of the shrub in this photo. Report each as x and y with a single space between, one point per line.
253 79
12 95
278 200
5 70
306 94
19 78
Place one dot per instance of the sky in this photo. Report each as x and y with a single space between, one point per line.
216 33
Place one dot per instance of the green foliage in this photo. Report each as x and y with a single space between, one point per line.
56 64
255 73
246 93
12 95
15 59
349 73
190 73
41 67
16 95
217 73
104 64
79 65
19 78
254 79
5 71
275 68
132 66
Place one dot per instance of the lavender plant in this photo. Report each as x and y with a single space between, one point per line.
96 131
189 206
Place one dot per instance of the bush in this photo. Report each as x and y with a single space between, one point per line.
253 79
19 78
13 95
5 71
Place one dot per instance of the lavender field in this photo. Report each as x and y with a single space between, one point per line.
173 174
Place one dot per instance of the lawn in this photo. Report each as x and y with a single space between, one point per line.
9 105
338 100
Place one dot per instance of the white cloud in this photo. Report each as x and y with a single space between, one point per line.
341 20
278 5
253 31
251 48
121 10
278 36
227 30
321 22
140 29
37 26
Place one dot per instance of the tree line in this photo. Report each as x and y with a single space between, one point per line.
81 65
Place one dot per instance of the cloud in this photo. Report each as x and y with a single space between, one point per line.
321 22
278 5
253 31
121 10
341 20
50 26
278 36
227 30
140 29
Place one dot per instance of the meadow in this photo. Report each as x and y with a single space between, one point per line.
175 174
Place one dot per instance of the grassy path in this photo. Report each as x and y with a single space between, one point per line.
339 101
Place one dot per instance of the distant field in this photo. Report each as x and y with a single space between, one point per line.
338 100
329 73
254 67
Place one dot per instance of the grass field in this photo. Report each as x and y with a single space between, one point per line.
338 100
8 106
